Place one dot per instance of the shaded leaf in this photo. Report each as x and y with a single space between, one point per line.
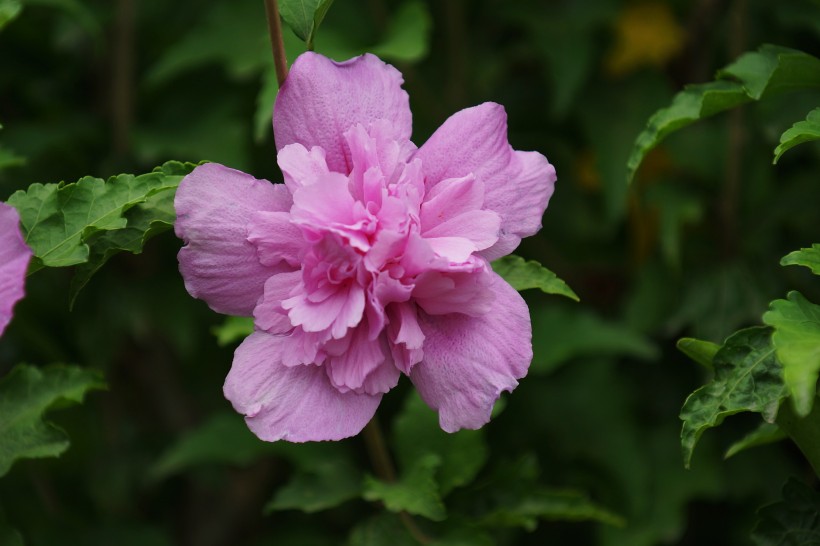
807 257
408 35
232 329
380 530
325 482
796 338
702 352
753 76
416 492
523 275
766 433
304 17
792 521
551 505
417 434
26 393
59 220
747 378
800 132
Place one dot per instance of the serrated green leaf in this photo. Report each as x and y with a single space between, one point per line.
523 275
796 338
800 132
748 377
408 35
753 76
766 433
702 352
807 257
416 491
416 434
304 17
58 220
232 329
323 484
792 521
26 393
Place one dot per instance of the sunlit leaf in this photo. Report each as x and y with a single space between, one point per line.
232 330
796 337
522 275
9 10
702 352
304 17
26 393
416 491
807 257
766 433
792 521
747 378
753 76
59 220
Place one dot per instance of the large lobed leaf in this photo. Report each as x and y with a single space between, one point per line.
796 338
748 377
807 257
26 393
523 275
792 521
753 76
800 132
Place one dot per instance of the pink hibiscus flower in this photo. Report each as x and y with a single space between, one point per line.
14 258
370 261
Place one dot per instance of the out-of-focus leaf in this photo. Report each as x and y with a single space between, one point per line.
766 433
9 10
8 535
417 434
321 485
416 491
223 439
748 377
702 352
646 34
232 330
753 76
26 393
304 17
792 521
796 338
522 275
560 334
800 132
551 505
408 35
59 220
381 530
807 257
676 208
9 158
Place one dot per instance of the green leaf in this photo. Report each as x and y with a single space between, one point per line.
304 17
416 492
702 352
800 132
26 393
223 439
232 329
747 378
796 338
9 10
323 484
807 257
753 76
380 530
766 433
417 434
59 220
792 521
523 275
408 35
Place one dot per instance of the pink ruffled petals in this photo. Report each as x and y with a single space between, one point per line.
298 403
269 315
14 258
300 166
469 361
456 292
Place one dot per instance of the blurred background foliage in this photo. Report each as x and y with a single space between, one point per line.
586 450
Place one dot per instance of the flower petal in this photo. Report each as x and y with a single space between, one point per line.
321 99
297 404
214 206
14 258
517 185
468 361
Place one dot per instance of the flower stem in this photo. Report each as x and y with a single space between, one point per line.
280 61
804 431
383 465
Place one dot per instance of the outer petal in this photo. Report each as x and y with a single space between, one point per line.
468 361
322 99
297 404
14 258
517 185
214 206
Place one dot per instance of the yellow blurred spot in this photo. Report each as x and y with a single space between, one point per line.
586 174
646 34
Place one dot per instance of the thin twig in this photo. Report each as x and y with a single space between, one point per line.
280 61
